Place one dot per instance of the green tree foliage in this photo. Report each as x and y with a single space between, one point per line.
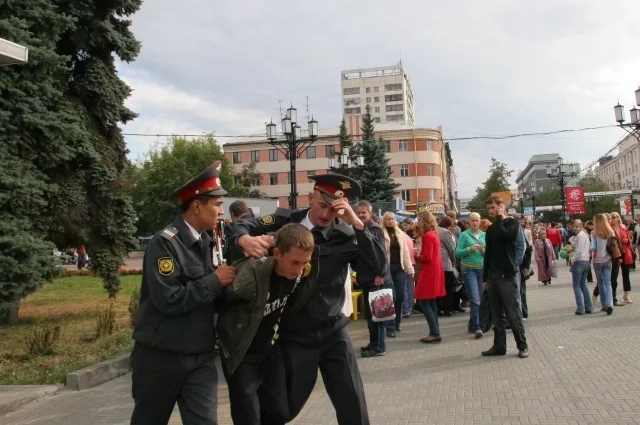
245 181
498 181
63 155
165 169
375 176
354 150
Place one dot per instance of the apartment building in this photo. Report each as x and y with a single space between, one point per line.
621 171
536 171
419 159
386 89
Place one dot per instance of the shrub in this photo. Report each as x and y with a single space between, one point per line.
41 339
106 323
134 304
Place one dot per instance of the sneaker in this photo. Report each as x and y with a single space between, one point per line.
363 349
609 311
406 316
373 353
524 353
479 334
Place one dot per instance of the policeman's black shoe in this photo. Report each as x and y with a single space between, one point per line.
391 334
493 352
524 353
373 353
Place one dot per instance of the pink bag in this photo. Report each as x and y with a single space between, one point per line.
381 303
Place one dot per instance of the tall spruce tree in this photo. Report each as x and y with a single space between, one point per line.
354 150
63 162
376 177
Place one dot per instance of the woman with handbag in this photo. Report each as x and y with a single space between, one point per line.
602 260
621 267
431 281
545 258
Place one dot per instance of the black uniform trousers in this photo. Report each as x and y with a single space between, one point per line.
503 299
162 378
337 362
258 388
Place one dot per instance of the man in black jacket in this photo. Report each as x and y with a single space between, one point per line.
500 270
315 336
172 357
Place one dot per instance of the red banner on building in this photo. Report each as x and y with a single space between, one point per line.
575 200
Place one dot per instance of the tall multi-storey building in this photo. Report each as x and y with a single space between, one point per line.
536 171
420 162
623 170
386 89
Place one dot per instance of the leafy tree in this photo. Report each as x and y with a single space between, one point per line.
247 178
375 176
165 169
498 181
354 152
63 155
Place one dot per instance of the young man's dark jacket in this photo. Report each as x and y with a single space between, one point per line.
364 274
177 294
321 316
241 307
500 251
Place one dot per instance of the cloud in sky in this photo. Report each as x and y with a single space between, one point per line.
493 67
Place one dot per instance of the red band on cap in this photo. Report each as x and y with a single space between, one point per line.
330 190
203 187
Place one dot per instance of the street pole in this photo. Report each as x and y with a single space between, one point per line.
293 194
533 203
562 202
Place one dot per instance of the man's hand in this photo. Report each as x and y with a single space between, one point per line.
484 285
526 272
345 212
501 211
268 239
378 281
225 274
253 246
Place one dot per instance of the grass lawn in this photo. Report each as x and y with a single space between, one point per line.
73 303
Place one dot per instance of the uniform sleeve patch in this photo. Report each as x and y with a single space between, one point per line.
268 219
165 266
307 270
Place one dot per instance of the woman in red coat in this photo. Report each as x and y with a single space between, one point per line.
430 285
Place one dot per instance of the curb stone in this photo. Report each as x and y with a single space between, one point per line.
97 374
14 396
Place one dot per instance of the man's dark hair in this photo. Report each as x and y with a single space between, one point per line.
494 200
204 198
294 235
407 221
446 222
553 224
238 209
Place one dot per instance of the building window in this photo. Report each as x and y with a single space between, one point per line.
405 195
376 99
429 145
351 90
392 87
395 108
376 109
387 146
273 154
237 158
288 177
352 110
376 119
258 181
390 170
376 89
404 170
395 118
432 195
311 152
355 101
403 146
368 100
368 89
273 179
255 156
311 173
329 151
431 170
393 97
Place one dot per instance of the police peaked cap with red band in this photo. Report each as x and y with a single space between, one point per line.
336 186
205 183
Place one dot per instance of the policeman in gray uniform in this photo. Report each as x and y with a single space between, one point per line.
315 337
173 353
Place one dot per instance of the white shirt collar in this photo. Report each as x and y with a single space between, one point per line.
194 232
306 222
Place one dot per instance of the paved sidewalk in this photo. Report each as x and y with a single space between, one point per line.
582 370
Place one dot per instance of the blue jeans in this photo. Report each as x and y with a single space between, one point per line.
430 310
579 271
407 306
473 284
556 251
603 277
399 279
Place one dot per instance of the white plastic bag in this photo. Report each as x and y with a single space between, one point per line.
381 303
554 269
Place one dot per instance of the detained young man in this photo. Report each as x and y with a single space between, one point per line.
263 292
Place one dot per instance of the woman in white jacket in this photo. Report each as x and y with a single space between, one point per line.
400 265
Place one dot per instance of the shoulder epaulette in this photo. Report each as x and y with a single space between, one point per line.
283 212
169 232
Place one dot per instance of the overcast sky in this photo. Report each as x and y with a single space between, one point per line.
476 68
